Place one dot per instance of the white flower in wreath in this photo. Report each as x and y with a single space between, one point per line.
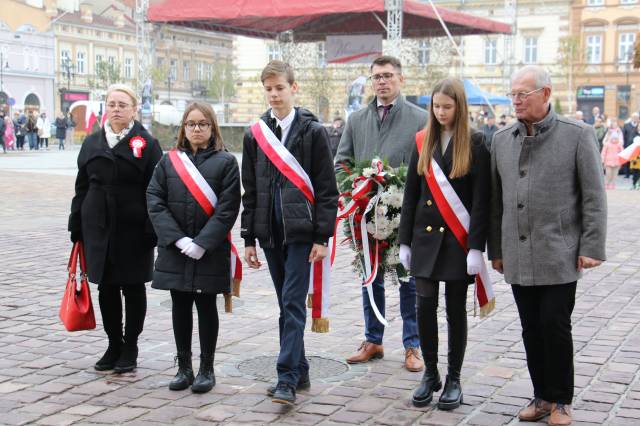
393 255
368 172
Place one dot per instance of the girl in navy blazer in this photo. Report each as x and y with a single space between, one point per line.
429 249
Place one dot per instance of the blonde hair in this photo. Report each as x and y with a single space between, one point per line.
118 87
461 138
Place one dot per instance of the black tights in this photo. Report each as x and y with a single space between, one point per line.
135 301
182 313
427 308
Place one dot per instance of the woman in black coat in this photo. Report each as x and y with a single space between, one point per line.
429 248
61 130
193 249
109 215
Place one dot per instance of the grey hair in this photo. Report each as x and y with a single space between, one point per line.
541 75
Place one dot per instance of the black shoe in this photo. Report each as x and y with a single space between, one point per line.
110 357
205 380
451 396
304 383
429 384
184 377
284 394
128 360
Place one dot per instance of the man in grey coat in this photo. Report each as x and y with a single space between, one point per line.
386 129
548 223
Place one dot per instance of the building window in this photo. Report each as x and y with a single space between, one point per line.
595 2
111 60
185 71
628 1
80 62
322 54
128 68
274 51
530 50
173 69
491 52
208 72
594 49
98 59
200 71
625 47
424 51
65 57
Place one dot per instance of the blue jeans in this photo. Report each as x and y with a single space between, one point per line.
374 330
289 269
33 140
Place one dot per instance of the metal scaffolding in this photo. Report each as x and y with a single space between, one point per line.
143 43
394 10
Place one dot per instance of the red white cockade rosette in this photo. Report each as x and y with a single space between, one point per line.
137 144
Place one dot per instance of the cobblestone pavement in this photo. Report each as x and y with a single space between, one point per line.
47 376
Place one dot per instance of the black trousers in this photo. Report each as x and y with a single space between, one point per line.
456 307
545 315
182 315
135 302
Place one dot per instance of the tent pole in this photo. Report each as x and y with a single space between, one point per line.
455 45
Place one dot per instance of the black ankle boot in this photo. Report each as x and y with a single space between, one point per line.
110 357
451 396
428 331
205 380
429 384
184 376
128 360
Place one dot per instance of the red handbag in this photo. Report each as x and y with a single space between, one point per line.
76 309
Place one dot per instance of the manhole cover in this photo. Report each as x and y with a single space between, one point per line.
237 303
264 367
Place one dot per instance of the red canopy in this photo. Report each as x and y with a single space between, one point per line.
314 20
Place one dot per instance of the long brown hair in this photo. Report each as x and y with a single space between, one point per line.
461 138
207 111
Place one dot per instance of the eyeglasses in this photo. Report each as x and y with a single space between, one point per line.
119 105
191 125
384 77
522 95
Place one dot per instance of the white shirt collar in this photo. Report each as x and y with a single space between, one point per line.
393 102
285 122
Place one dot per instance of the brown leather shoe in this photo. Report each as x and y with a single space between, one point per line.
560 415
413 360
537 409
367 351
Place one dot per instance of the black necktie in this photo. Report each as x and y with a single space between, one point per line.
278 132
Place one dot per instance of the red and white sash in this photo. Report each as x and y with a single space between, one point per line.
286 163
208 200
458 220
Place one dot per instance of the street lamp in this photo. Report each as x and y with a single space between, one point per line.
66 69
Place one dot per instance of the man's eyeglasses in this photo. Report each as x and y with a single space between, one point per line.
382 77
522 95
191 125
118 105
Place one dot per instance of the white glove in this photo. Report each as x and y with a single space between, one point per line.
183 242
405 256
194 251
474 262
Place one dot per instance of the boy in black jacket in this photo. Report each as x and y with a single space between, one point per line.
292 231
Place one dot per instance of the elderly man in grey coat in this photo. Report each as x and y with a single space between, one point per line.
548 223
386 129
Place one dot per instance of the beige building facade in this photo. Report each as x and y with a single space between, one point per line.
607 31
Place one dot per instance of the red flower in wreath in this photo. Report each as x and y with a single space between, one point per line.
137 144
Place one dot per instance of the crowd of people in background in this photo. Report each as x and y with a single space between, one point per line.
33 128
612 139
